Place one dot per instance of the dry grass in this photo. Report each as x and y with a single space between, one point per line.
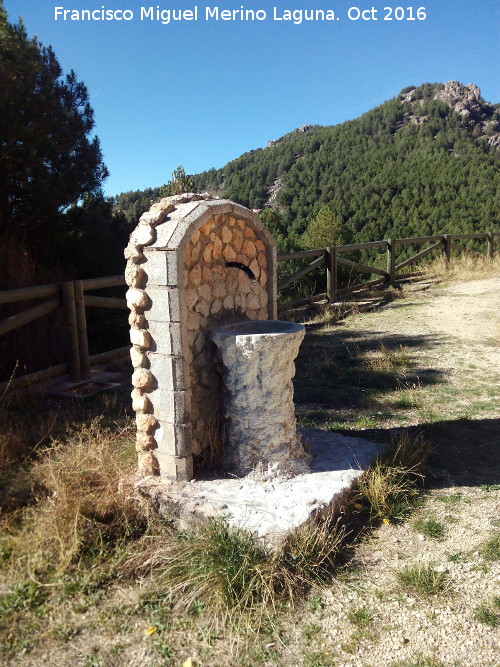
466 266
388 490
227 571
385 359
81 503
24 427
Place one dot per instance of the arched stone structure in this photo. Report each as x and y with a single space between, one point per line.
194 263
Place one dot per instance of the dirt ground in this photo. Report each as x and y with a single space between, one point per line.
447 393
453 334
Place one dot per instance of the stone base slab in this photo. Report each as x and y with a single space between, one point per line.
270 509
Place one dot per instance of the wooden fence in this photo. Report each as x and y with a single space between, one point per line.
72 298
332 258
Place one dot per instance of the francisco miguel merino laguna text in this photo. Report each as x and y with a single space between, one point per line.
166 16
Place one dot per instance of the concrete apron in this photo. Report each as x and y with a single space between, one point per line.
269 508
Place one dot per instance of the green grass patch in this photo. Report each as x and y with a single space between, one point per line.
488 614
25 596
420 661
360 617
490 487
223 568
452 498
422 579
388 490
429 527
387 359
490 548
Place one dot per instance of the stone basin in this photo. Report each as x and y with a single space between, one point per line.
260 435
261 328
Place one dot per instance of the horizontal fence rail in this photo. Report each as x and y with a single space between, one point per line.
71 297
332 259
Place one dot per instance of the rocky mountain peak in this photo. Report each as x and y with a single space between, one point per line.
479 117
465 100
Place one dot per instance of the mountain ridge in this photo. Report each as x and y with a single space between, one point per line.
423 162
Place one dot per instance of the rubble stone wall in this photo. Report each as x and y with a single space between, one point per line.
180 287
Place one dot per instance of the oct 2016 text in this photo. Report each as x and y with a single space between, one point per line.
241 14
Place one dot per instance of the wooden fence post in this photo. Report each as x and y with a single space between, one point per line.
81 323
331 273
391 260
447 247
68 299
491 245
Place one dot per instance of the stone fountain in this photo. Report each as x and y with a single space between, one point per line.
212 380
260 432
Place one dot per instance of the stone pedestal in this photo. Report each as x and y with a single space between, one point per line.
257 369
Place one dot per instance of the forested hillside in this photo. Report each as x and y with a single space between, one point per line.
427 161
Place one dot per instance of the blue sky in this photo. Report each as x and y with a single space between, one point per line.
200 93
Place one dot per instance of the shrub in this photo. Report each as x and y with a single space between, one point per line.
82 507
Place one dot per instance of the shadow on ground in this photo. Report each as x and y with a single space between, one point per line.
336 368
465 452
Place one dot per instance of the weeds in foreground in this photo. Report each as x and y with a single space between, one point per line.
489 614
389 488
82 504
420 661
24 427
361 617
429 527
422 579
408 395
87 529
389 492
490 548
228 570
466 266
385 359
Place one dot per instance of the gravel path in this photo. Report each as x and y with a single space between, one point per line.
406 628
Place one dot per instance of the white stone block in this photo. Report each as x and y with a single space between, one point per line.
164 233
161 267
175 467
165 337
168 372
163 304
258 366
170 406
173 439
